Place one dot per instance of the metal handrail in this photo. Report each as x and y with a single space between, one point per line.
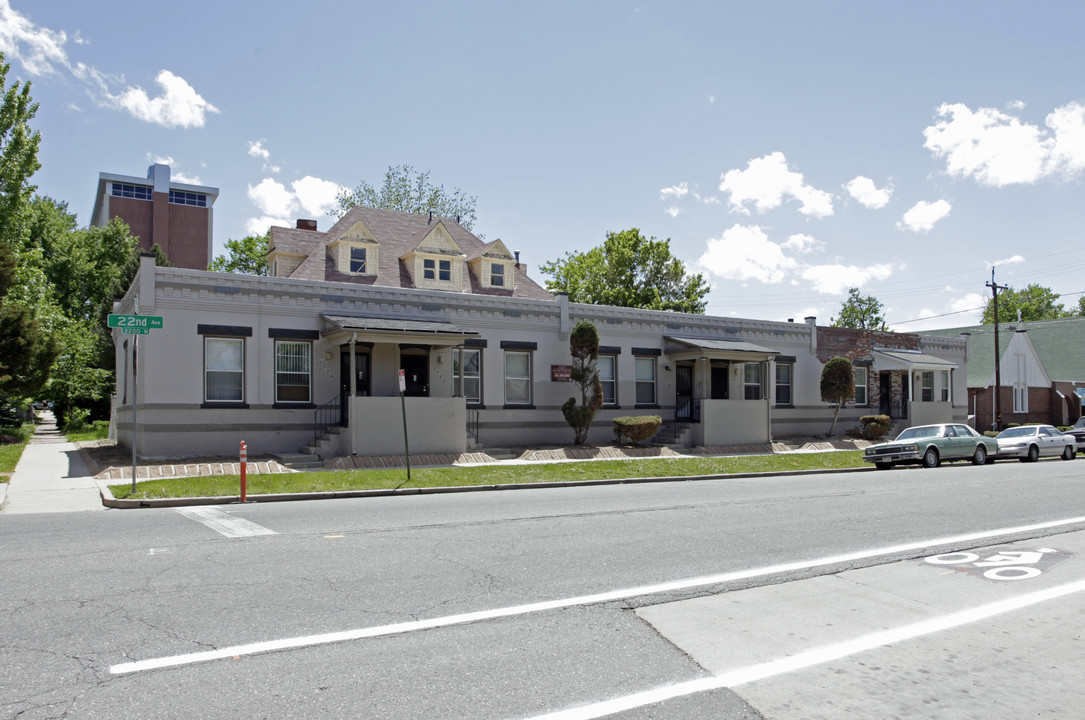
325 416
472 424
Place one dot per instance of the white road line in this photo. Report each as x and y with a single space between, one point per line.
813 656
224 523
611 596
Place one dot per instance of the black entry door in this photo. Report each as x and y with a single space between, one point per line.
416 372
683 392
885 402
361 389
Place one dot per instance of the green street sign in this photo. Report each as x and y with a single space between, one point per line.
135 324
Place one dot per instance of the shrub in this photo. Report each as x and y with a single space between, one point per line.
78 421
872 427
635 429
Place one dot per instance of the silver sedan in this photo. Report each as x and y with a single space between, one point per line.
1031 442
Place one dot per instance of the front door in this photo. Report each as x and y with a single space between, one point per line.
361 389
416 371
885 389
683 393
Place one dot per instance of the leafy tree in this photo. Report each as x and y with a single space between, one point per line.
26 350
584 347
1035 302
628 270
76 377
406 190
1080 310
247 256
837 385
860 311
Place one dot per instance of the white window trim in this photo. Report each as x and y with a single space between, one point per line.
458 374
748 383
529 378
864 386
790 384
613 381
240 372
639 382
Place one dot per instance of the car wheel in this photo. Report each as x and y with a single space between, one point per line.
1068 452
1033 454
883 466
930 458
980 456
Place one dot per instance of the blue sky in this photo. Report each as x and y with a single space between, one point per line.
788 150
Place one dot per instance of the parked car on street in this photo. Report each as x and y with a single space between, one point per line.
1029 443
929 445
1078 431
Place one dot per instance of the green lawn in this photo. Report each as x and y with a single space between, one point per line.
498 474
9 458
98 430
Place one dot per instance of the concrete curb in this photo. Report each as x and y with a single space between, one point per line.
3 494
110 501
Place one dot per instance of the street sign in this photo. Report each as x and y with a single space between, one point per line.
402 381
135 321
135 331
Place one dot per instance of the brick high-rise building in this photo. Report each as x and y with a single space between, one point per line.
176 216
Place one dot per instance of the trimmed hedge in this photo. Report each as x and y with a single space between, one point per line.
635 429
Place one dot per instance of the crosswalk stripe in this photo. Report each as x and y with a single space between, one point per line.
224 523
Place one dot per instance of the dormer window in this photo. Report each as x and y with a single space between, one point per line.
497 274
437 269
357 260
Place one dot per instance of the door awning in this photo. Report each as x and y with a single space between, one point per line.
684 348
394 330
906 360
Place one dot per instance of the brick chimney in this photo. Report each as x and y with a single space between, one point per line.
307 225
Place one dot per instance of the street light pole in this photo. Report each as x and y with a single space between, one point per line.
995 287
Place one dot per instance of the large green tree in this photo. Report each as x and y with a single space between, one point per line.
409 191
247 256
860 311
26 347
628 270
1035 302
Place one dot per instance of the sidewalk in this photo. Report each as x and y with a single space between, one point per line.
51 476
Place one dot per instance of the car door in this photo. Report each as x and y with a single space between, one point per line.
1050 444
953 443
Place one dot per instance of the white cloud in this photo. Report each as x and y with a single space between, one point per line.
257 150
923 216
869 196
179 105
803 244
766 181
746 253
260 225
272 198
316 196
39 50
836 279
711 99
672 211
998 149
1013 260
677 192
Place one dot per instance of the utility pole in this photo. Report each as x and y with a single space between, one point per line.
997 425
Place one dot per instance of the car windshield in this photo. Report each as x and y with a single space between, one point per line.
921 432
1080 423
1017 432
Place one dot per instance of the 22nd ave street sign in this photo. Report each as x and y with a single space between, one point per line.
135 324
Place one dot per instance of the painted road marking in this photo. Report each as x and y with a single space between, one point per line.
1002 563
224 523
813 656
611 596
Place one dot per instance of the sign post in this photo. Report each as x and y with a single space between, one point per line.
137 325
403 405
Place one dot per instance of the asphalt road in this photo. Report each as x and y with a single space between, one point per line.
92 603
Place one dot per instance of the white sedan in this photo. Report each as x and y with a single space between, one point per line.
1031 442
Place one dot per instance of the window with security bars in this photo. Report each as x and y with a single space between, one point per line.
292 371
